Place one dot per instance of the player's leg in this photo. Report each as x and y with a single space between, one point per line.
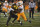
19 18
30 14
6 12
3 10
8 20
24 17
15 17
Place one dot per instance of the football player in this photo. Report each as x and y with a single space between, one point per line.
5 6
12 13
21 13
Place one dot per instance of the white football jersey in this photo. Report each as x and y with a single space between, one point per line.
5 4
21 6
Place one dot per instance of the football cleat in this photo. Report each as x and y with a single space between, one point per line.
30 21
12 22
6 25
21 23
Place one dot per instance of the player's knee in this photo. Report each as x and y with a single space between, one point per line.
18 20
16 16
25 19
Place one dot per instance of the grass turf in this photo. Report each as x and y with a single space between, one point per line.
35 21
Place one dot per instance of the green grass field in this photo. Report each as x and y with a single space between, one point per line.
35 21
